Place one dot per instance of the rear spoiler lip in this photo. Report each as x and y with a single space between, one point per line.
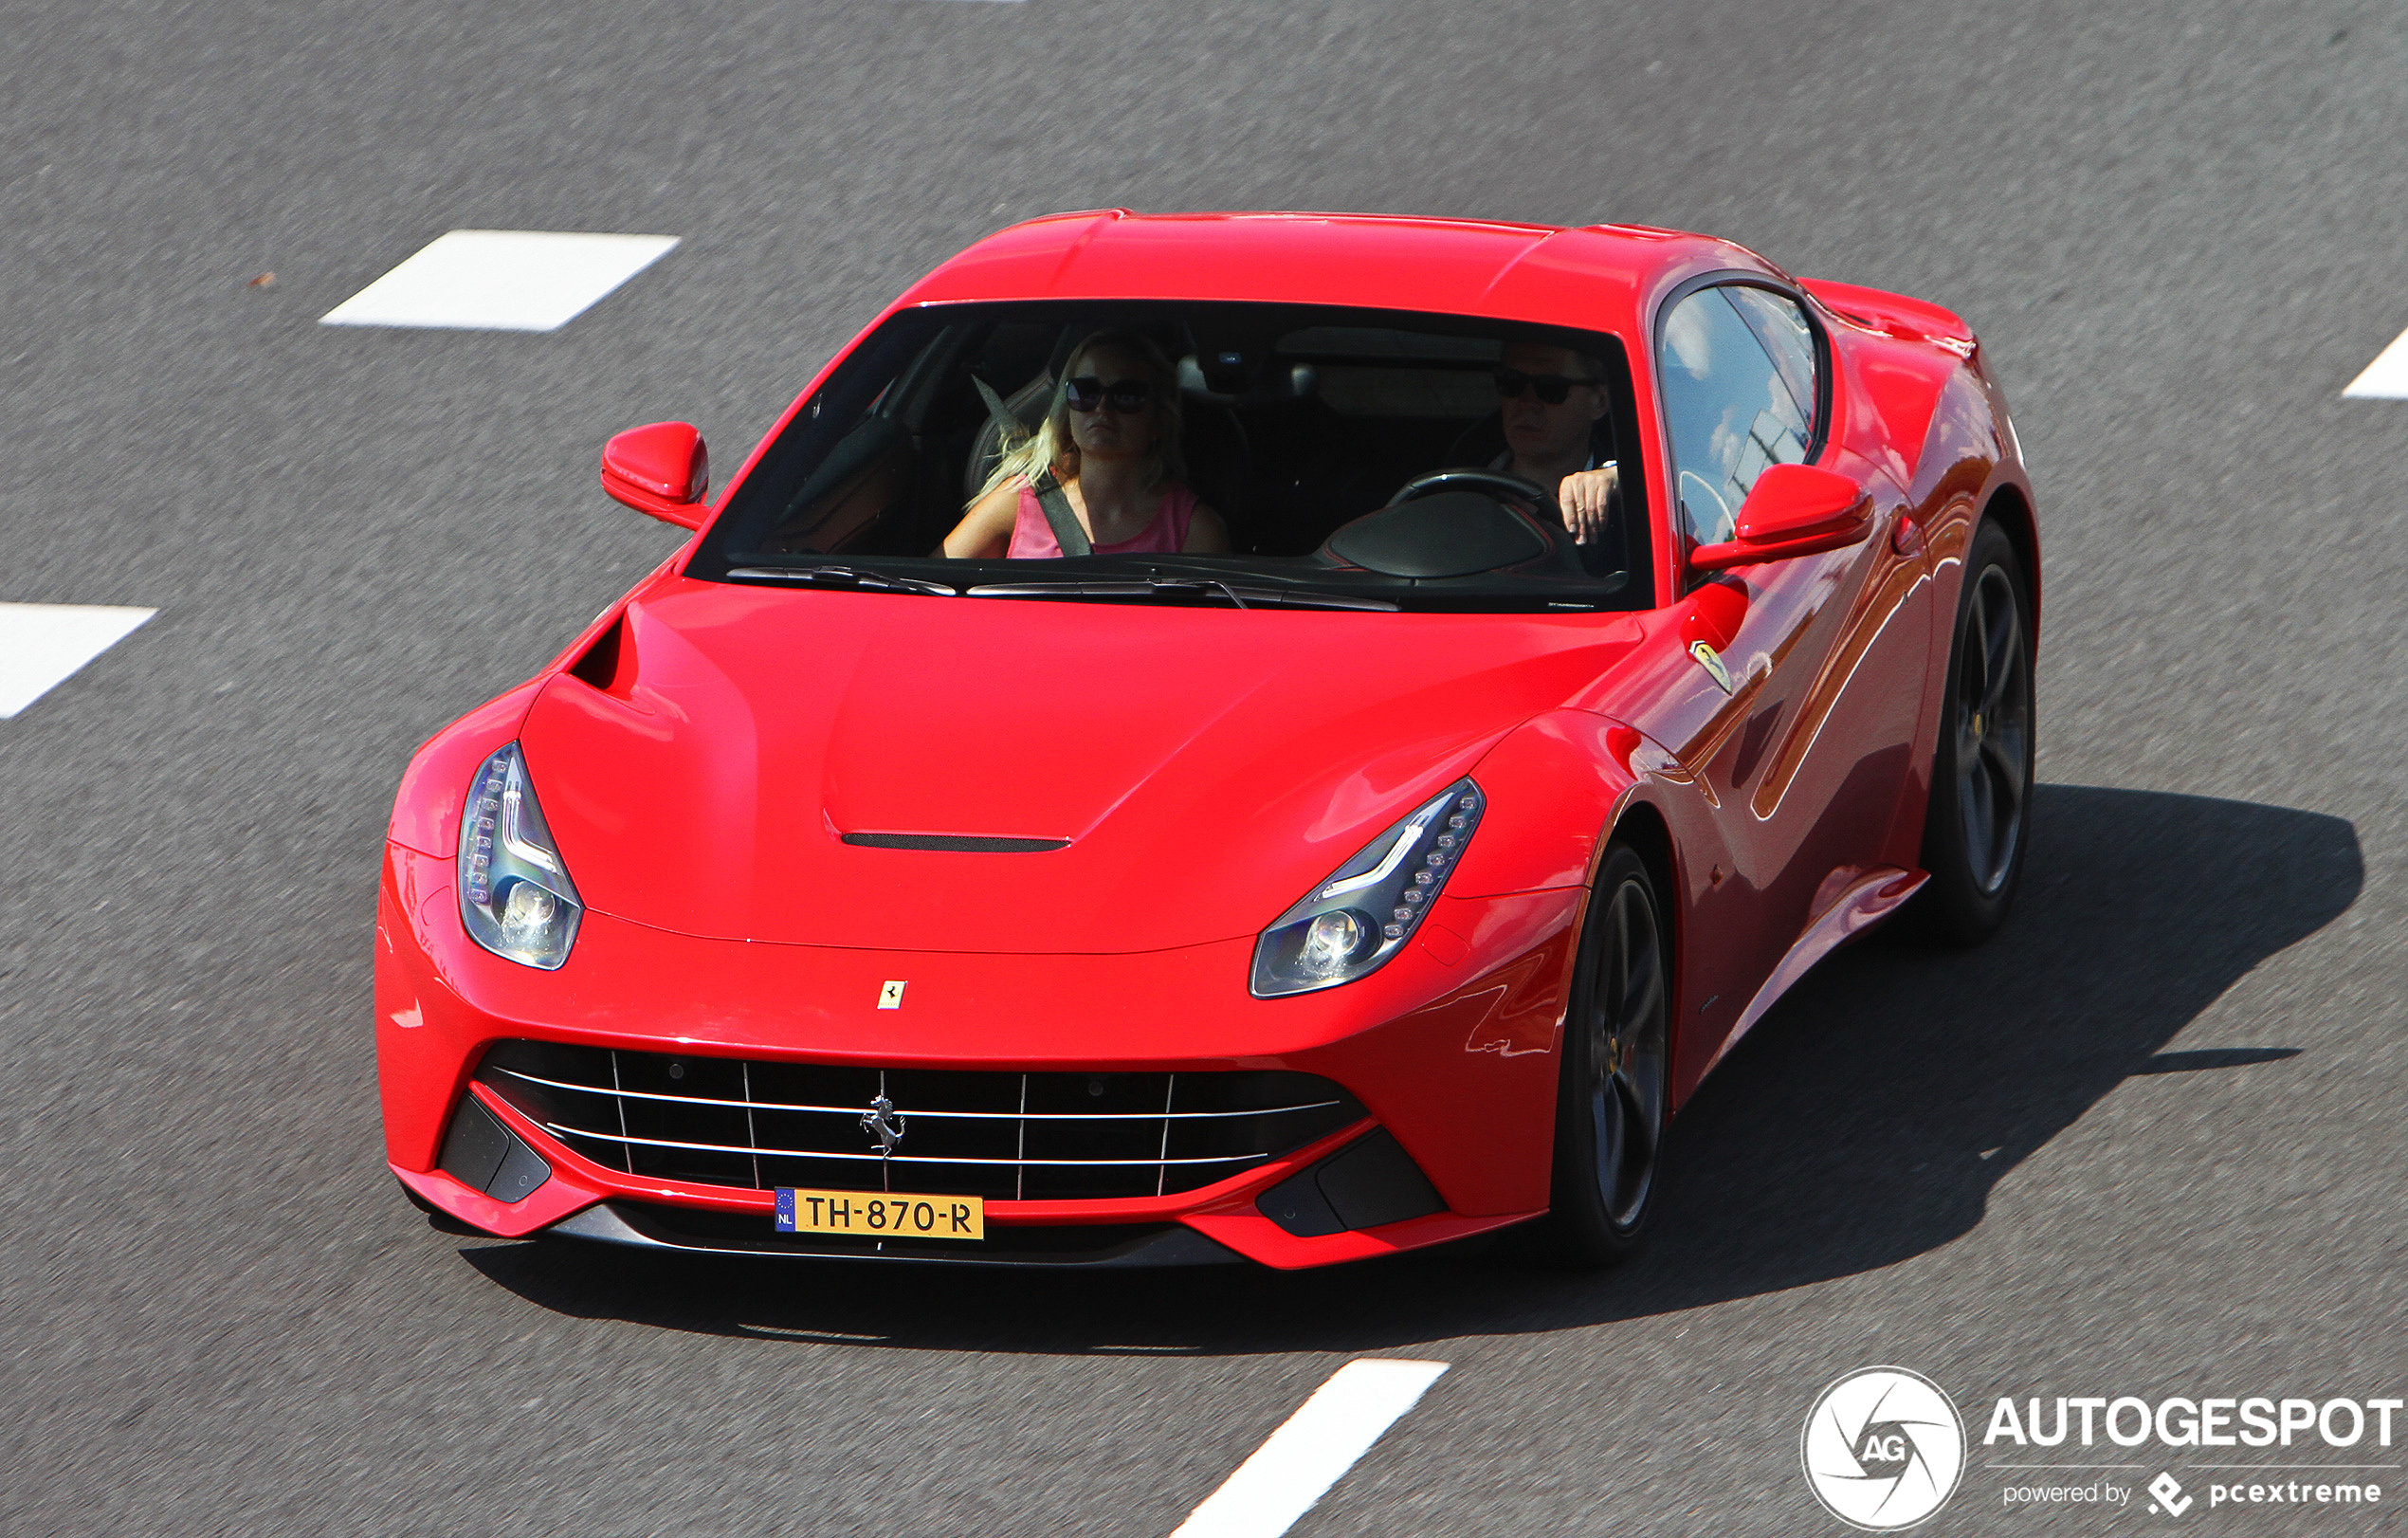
1894 315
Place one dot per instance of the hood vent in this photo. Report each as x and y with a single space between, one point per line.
957 843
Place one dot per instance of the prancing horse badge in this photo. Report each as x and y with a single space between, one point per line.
890 996
1711 661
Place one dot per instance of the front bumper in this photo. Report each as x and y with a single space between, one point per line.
1450 1048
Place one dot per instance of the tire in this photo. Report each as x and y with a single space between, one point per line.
1979 820
1615 1088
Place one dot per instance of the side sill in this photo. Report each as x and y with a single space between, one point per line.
1870 899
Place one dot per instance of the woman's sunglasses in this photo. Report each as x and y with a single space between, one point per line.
1127 396
1553 387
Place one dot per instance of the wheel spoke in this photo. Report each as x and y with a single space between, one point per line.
1618 953
1638 1144
2000 641
1973 792
1625 1190
1607 1111
1644 995
1638 1104
2002 753
1975 685
1999 695
2004 693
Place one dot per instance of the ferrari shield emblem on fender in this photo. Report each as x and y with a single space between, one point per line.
1711 661
890 994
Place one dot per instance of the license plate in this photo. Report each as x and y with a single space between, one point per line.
886 1215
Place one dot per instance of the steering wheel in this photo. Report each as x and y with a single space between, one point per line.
1470 478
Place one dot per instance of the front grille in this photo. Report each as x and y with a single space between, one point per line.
1030 1137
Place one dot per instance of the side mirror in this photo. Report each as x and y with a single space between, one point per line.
1792 510
661 469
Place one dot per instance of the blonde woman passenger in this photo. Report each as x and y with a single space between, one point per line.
1110 436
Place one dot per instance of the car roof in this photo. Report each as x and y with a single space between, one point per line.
1599 277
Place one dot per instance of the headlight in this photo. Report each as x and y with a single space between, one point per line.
1371 905
514 893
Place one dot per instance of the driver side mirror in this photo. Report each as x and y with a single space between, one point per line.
1792 510
661 469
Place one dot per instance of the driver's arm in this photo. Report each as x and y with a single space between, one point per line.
1583 495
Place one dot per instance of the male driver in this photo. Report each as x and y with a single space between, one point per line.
1553 397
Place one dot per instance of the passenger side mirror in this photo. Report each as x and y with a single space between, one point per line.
661 469
1792 510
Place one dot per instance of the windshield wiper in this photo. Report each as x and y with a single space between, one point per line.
845 574
1098 588
1244 598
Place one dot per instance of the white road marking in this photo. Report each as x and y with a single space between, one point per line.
1313 1451
500 279
2386 378
43 644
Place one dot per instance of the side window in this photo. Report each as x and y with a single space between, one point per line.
1730 410
1782 327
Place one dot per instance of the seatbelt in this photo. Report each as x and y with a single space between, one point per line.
1065 524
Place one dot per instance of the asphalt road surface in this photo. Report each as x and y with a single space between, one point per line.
2148 1142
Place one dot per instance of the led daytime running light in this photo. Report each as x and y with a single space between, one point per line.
515 897
1362 915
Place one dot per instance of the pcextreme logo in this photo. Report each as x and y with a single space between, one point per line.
1883 1449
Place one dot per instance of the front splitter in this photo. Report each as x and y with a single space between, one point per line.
644 1226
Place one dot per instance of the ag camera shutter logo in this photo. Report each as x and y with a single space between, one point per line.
1883 1449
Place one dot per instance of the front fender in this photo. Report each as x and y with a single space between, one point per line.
1553 785
1559 788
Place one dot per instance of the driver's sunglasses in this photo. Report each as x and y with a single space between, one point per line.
1553 387
1127 396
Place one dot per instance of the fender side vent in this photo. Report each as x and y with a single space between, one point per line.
599 667
957 843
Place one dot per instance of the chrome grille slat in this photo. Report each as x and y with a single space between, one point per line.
752 1133
899 1158
949 1115
622 1105
752 1123
1162 1155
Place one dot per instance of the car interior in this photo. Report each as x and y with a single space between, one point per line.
1296 422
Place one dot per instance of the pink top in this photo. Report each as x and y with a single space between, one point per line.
1032 537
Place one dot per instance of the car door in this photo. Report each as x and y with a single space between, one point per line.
1805 687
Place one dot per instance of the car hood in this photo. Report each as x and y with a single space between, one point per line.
1204 766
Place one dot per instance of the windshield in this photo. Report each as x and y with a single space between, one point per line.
1237 455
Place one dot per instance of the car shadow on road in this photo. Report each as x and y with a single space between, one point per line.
1862 1124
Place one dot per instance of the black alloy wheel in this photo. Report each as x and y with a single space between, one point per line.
1616 1078
1980 813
